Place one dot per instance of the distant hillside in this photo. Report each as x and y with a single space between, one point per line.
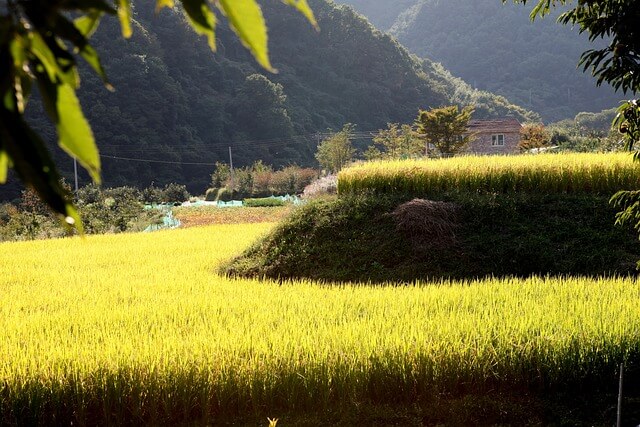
181 105
497 48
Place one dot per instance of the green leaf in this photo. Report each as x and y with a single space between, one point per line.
40 49
303 7
4 165
31 160
88 24
70 31
124 14
74 133
245 17
539 9
163 3
51 60
202 19
21 80
90 55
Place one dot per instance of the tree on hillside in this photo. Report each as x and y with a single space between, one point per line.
395 142
260 106
336 151
533 135
39 43
445 128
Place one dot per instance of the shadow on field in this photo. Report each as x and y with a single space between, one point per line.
458 236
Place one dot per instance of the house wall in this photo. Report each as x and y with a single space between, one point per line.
482 143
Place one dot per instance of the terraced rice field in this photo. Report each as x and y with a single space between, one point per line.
542 173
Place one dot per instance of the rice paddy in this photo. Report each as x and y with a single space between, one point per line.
137 328
593 173
140 329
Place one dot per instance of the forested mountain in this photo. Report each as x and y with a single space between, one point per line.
497 48
181 106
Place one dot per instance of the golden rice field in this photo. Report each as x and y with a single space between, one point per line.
541 173
138 328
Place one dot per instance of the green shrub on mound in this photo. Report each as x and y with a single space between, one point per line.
456 235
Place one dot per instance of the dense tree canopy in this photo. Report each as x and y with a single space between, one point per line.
445 128
336 151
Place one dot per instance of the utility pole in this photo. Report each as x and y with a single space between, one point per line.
619 411
75 172
231 169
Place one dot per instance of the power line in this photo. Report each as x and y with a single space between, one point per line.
247 144
156 161
254 142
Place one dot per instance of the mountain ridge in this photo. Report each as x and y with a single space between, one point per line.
497 48
178 108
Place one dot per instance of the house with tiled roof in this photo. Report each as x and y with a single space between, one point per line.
494 136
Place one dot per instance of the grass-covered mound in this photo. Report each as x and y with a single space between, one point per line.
508 220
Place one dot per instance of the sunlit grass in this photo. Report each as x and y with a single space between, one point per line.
542 173
139 326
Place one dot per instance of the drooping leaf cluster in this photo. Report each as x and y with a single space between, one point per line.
39 42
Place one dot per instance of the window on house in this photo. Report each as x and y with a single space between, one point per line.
497 140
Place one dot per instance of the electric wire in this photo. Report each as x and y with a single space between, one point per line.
127 152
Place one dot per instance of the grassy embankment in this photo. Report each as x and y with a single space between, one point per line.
137 329
510 216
